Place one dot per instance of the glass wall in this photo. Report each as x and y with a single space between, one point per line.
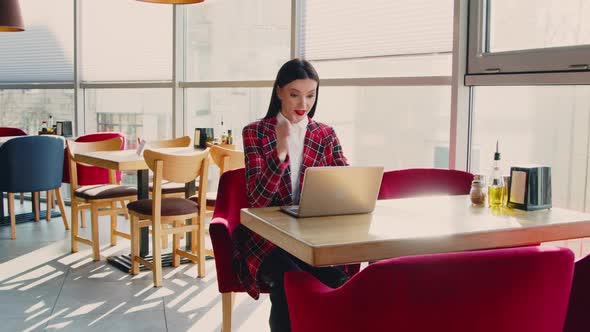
546 125
44 51
125 40
234 107
237 40
397 127
28 108
136 113
531 24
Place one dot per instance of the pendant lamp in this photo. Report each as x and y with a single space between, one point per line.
11 19
174 2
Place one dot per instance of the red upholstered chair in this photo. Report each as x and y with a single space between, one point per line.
231 197
9 131
91 175
514 289
424 181
578 319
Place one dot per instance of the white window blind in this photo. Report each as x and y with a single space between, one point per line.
44 51
126 40
336 29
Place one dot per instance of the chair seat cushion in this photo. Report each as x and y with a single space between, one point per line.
171 206
211 198
101 191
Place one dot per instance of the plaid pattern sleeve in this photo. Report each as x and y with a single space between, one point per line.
264 169
338 158
268 184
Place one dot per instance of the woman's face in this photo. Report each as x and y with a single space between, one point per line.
297 98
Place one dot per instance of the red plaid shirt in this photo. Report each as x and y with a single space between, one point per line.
268 183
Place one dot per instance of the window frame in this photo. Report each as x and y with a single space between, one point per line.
568 59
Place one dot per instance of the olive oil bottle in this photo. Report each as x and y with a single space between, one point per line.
496 187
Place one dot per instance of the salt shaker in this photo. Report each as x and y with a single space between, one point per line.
477 193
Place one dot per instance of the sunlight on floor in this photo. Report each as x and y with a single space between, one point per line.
48 288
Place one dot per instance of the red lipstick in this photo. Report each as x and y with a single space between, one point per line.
300 112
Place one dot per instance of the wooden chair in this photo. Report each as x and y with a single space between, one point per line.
171 211
91 175
101 198
169 189
226 160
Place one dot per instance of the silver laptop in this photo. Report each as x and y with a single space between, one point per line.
329 191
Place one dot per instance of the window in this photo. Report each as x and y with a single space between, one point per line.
143 113
391 126
536 125
531 24
235 107
237 40
126 40
44 51
27 109
528 36
377 38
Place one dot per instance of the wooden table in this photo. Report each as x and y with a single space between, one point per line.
412 226
129 160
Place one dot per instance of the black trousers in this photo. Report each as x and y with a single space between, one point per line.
272 272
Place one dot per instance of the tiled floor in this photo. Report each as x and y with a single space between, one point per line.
45 288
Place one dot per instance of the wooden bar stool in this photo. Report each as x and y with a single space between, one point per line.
101 198
171 211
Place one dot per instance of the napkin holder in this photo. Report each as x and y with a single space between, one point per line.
530 188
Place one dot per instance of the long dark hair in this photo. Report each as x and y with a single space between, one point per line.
292 70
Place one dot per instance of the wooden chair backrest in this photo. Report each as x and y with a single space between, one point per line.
113 144
181 142
227 159
180 169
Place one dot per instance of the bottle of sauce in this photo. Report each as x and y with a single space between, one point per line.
496 187
230 138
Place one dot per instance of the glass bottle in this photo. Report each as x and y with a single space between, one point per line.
230 138
496 187
505 191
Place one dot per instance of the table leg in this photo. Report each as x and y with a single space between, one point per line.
143 184
189 190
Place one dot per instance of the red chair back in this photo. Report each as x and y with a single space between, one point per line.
231 197
514 289
424 181
9 131
577 319
90 175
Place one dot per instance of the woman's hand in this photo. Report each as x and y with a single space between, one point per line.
283 130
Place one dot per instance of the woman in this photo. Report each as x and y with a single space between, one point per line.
278 149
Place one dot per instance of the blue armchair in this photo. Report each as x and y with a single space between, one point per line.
31 164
